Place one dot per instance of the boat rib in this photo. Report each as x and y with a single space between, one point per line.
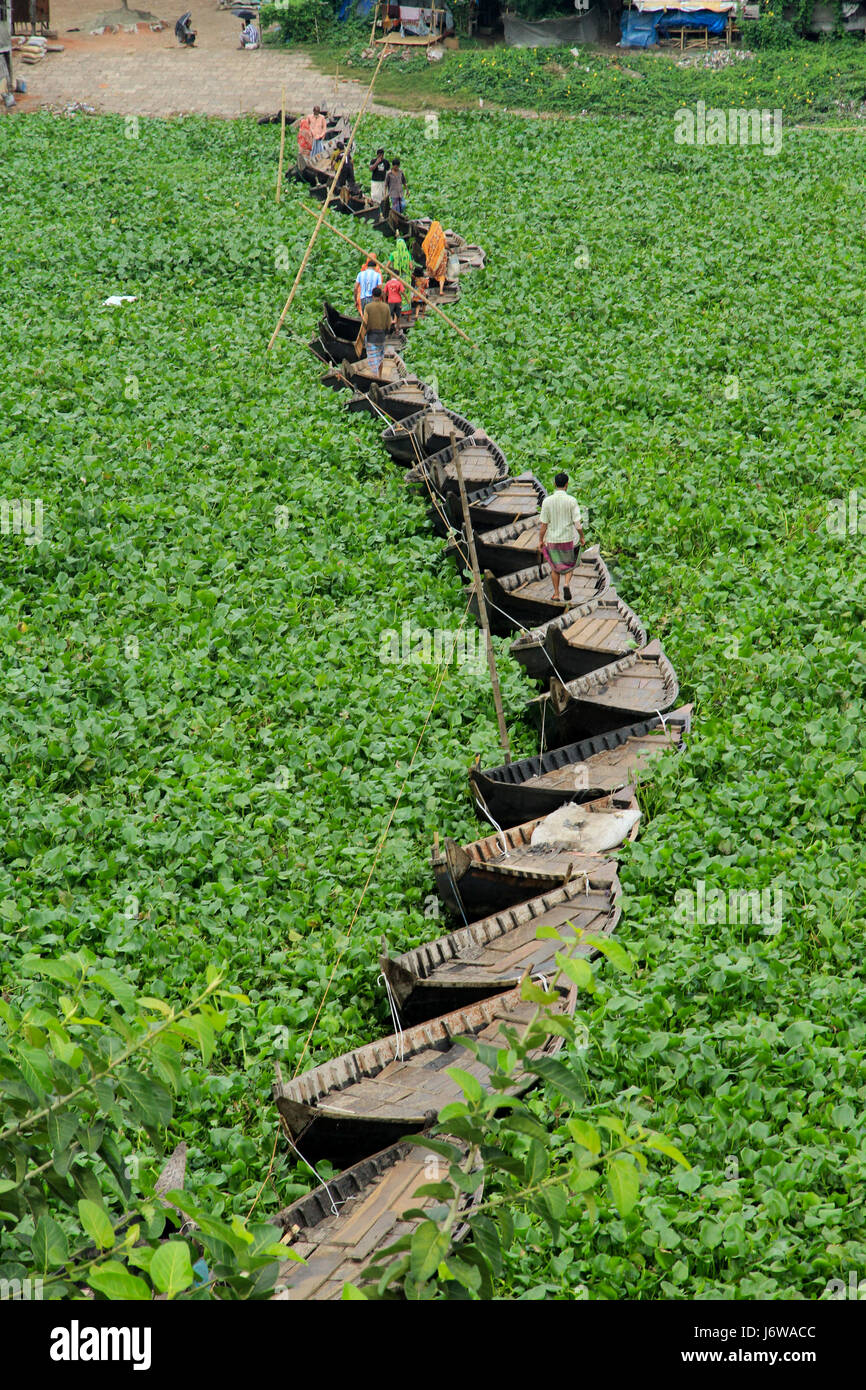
495 952
361 1102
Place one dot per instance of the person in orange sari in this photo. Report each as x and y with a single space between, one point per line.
436 253
305 139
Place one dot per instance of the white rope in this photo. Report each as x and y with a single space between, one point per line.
663 721
543 717
395 1017
335 1206
495 823
543 981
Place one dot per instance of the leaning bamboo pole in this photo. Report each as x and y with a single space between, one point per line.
321 217
435 307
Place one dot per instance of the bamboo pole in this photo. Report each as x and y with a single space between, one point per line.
321 217
428 302
375 18
282 148
482 605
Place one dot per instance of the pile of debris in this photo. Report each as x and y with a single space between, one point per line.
717 58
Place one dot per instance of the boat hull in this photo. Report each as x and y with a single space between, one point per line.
510 800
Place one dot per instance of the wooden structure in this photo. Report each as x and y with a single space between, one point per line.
496 952
482 462
507 549
394 39
30 16
357 1104
338 1229
516 792
502 503
628 690
500 870
426 433
525 598
581 639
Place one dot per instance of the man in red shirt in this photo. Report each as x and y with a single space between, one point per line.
394 297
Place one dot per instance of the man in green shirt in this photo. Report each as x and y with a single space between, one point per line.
560 518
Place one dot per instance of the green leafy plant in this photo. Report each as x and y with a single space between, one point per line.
299 20
502 1143
87 1069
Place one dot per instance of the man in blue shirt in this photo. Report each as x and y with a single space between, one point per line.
365 282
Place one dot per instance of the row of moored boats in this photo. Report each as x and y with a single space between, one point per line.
555 821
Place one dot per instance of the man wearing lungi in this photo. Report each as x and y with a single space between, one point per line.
560 518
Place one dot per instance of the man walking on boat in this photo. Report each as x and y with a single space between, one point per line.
560 518
377 325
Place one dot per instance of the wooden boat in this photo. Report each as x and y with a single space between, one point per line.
449 293
500 870
359 376
370 1200
494 953
483 463
525 598
641 684
341 325
507 549
499 505
400 399
318 349
316 171
516 792
470 257
581 639
353 204
365 1100
426 432
344 349
394 224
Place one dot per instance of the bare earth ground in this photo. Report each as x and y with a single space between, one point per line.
148 74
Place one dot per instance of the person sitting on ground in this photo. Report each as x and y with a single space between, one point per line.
378 169
318 126
560 518
394 297
368 279
250 36
182 31
396 186
377 326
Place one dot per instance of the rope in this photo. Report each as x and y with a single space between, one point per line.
335 1206
378 854
457 896
480 803
395 1017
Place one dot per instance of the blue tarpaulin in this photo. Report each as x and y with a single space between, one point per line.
687 19
357 6
639 30
643 30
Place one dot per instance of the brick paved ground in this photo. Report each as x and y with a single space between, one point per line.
150 75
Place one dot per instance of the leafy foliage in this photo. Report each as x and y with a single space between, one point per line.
87 1073
806 81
